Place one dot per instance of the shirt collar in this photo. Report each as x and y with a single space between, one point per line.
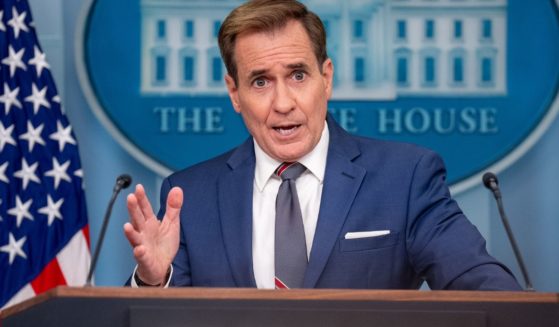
315 161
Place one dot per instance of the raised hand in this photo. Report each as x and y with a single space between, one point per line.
155 242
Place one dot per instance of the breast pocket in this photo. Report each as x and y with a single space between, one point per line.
369 243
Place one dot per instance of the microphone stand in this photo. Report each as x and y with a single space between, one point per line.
490 181
122 182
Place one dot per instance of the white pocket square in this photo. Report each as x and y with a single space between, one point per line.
372 233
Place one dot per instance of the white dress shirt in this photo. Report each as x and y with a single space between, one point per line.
266 185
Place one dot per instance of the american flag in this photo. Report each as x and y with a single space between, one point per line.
44 237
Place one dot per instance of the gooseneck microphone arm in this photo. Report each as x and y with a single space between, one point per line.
490 181
122 182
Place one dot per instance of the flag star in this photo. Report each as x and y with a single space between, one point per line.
21 210
27 173
6 136
14 247
3 177
33 135
2 26
39 60
52 210
56 99
62 135
58 172
38 98
9 98
79 173
18 22
14 60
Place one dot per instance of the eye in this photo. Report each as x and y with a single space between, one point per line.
299 75
259 82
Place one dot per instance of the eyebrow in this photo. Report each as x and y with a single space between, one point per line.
299 65
257 72
260 72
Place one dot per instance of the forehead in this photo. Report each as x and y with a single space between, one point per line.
287 45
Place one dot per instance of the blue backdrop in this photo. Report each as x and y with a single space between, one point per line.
530 186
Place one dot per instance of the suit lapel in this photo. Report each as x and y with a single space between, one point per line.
341 183
235 208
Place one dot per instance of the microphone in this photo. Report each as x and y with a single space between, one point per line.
490 181
122 182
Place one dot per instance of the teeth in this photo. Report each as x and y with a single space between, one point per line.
286 130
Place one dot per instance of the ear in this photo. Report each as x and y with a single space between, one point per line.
328 76
233 92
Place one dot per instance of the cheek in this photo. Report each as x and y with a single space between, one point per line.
257 117
317 105
253 114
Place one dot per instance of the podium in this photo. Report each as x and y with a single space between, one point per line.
67 306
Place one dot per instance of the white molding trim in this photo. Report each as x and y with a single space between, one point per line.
91 99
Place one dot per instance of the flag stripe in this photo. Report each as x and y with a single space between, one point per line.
23 294
50 277
85 232
74 260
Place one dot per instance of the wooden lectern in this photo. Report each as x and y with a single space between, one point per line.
151 307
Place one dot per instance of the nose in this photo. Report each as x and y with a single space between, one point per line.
284 99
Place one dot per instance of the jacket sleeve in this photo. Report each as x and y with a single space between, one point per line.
444 247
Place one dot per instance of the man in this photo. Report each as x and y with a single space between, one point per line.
371 214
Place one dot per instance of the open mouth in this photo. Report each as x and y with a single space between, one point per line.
286 130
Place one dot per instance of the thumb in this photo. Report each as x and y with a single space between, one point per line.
174 203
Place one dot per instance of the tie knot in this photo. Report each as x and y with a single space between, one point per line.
290 170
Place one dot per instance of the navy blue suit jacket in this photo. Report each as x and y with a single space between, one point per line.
368 185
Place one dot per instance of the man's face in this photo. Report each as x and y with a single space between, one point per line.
281 93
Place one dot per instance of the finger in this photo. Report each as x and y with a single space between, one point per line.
132 235
139 253
136 215
174 204
143 202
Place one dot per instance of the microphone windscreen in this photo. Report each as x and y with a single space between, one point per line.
124 180
489 177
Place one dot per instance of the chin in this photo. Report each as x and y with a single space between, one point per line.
290 156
